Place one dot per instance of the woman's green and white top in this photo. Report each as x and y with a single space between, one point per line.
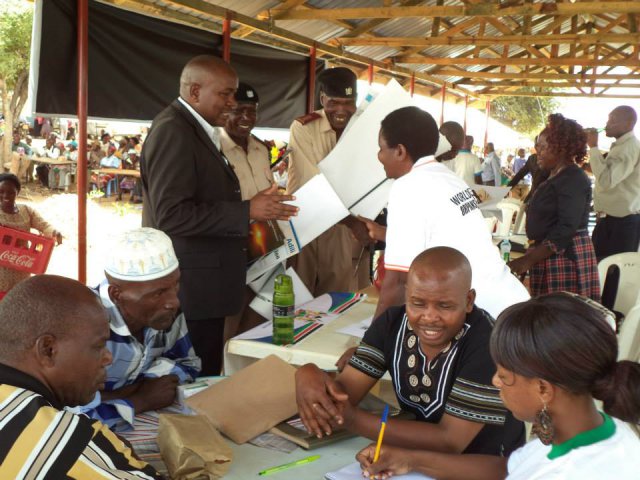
611 450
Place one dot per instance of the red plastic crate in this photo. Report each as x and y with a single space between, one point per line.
24 251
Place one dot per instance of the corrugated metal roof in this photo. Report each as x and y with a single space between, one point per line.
325 31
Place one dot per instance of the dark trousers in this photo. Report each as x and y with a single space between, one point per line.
613 235
42 171
207 336
616 235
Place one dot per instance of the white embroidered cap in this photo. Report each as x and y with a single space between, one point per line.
141 255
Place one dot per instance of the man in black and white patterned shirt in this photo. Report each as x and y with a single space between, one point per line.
436 349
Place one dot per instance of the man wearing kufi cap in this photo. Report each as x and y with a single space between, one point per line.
149 341
328 263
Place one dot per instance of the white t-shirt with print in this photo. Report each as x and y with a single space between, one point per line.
617 457
431 206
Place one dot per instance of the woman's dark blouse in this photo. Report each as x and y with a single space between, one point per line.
457 381
559 208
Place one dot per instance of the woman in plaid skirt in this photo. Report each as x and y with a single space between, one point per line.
560 255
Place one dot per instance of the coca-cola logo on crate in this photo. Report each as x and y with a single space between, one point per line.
19 260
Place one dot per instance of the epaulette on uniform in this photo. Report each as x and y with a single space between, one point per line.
308 118
267 143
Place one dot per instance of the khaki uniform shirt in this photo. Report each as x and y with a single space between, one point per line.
310 143
251 167
335 261
617 190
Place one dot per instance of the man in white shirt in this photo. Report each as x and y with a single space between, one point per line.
466 164
617 189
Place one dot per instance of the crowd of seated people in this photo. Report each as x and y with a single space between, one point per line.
54 165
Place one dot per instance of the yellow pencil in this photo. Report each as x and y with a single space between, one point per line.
383 425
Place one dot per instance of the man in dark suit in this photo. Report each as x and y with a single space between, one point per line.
192 194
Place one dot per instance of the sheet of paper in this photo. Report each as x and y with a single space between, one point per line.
354 472
334 302
264 331
496 195
263 301
320 209
370 206
352 167
357 329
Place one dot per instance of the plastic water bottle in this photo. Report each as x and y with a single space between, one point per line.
505 249
283 305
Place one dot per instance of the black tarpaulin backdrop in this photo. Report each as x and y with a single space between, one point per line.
135 63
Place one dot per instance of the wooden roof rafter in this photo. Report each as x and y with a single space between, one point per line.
468 10
278 36
474 47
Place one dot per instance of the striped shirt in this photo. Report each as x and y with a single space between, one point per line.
167 352
40 440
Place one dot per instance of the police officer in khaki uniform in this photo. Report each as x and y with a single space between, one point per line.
248 155
335 261
250 159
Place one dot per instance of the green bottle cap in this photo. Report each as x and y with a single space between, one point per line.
283 284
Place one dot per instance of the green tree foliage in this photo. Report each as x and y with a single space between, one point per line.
15 44
526 115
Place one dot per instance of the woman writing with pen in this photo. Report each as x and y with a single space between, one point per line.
554 354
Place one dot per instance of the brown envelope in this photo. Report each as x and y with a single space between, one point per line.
251 401
192 448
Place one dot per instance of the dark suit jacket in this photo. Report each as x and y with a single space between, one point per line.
193 195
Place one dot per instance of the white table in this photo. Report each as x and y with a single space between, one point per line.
248 460
323 347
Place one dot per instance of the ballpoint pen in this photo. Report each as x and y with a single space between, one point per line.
279 468
383 425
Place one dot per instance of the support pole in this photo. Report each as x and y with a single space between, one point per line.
443 94
81 177
311 87
412 85
226 38
466 106
486 125
370 71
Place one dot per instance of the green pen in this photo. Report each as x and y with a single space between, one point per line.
279 468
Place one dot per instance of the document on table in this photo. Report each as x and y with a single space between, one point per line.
263 301
357 329
354 472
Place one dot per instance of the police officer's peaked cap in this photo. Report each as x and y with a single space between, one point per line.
338 82
246 94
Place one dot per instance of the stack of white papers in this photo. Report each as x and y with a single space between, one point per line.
354 472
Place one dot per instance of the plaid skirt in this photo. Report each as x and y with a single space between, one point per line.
574 270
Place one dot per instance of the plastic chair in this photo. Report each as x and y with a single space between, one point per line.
629 336
629 284
521 221
491 223
510 207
